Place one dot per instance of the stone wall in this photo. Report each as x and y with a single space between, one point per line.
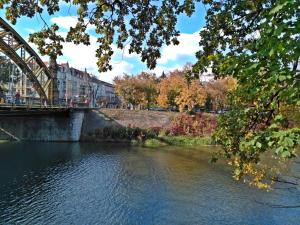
78 125
95 120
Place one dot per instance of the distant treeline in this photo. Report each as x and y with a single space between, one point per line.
175 90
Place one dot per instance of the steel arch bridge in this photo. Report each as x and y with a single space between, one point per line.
19 51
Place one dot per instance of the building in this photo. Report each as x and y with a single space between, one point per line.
74 87
82 88
206 76
103 94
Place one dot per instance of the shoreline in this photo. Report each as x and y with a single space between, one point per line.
151 142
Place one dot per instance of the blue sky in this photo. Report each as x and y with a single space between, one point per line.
173 57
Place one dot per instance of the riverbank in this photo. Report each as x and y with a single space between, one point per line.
148 128
162 141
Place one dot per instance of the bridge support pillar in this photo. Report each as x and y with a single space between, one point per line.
63 126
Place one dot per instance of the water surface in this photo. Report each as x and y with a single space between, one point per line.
63 183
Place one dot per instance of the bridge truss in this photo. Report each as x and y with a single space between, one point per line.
19 51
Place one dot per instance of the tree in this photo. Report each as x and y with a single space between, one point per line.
128 89
257 43
177 91
150 24
191 96
170 88
217 92
147 83
139 90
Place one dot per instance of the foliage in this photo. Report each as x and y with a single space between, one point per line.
147 83
177 141
200 124
137 90
48 41
257 43
217 92
127 89
175 90
191 96
143 25
170 88
121 133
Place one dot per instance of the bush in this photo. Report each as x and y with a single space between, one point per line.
126 133
200 124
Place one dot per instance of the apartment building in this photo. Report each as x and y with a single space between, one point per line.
81 87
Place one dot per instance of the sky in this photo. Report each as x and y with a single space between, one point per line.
83 57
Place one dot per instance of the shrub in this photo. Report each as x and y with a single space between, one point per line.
200 124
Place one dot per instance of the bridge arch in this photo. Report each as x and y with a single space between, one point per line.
19 51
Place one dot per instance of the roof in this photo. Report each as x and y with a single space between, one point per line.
96 80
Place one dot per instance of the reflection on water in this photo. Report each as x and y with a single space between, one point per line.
63 183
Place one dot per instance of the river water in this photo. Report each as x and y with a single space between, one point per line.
63 183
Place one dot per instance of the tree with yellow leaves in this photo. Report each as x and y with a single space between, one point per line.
139 91
191 96
170 88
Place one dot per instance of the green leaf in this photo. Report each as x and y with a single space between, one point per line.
286 154
279 150
271 53
288 142
282 78
258 144
278 8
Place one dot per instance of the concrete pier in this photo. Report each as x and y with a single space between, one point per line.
42 124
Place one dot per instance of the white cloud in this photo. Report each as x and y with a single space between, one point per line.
189 45
83 57
119 68
68 21
158 70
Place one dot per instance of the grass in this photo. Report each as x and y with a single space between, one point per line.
177 141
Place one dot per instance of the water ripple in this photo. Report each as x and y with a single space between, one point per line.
91 184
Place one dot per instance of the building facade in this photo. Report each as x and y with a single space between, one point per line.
80 87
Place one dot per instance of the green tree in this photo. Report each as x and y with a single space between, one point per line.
257 43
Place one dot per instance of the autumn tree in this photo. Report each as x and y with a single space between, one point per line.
170 88
128 90
191 96
139 90
178 90
147 83
217 92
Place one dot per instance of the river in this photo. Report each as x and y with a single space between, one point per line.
74 183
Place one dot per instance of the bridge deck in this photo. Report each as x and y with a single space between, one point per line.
35 110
